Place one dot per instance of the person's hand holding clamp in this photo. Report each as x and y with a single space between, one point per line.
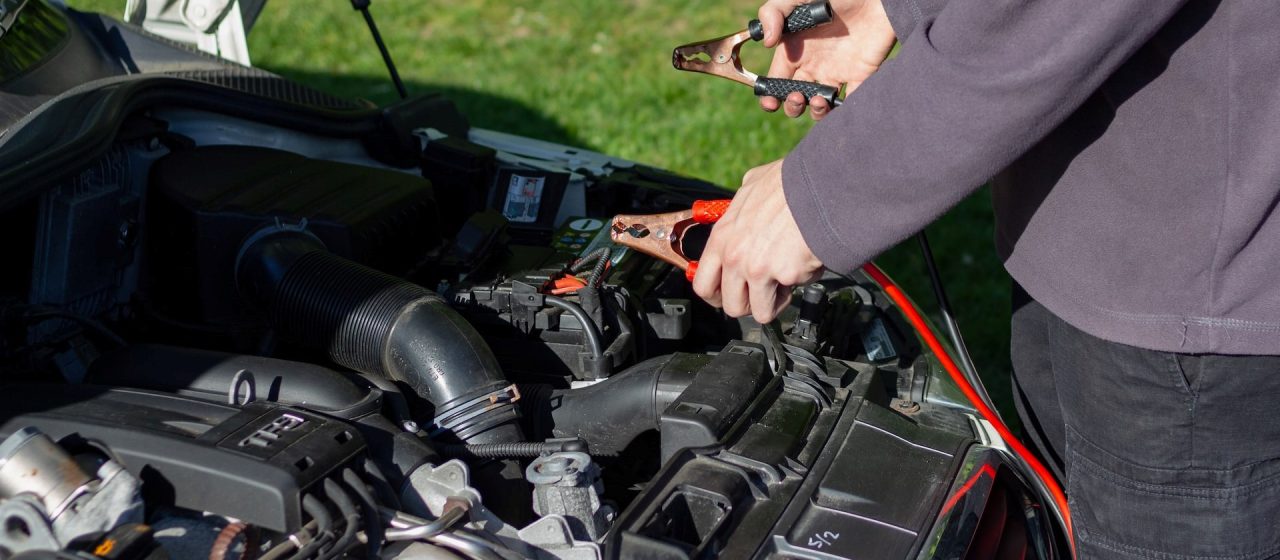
756 253
845 51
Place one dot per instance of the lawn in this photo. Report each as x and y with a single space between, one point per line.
598 75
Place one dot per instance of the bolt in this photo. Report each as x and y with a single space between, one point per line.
906 407
126 234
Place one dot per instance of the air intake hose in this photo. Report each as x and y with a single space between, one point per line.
380 325
609 415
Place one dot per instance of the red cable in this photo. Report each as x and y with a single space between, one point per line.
922 328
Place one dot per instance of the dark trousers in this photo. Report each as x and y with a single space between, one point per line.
1162 455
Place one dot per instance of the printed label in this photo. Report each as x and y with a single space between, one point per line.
523 197
877 343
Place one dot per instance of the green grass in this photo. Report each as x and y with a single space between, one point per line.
598 75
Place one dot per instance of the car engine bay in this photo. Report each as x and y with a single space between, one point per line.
235 336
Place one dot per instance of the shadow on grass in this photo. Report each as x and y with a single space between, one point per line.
483 109
962 240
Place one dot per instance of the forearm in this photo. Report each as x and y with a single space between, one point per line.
971 90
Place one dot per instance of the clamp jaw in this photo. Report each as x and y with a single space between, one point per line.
663 236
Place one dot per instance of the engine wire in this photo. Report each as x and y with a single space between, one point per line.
318 512
372 527
596 279
589 329
38 314
380 485
347 508
587 261
291 542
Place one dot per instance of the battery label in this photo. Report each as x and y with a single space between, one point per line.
524 195
579 235
876 342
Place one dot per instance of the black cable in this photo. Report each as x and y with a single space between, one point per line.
318 512
625 300
386 493
307 551
281 548
347 508
511 450
587 261
589 328
100 329
362 6
597 273
949 318
372 520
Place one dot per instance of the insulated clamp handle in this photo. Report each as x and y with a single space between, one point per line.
710 211
705 212
780 88
805 16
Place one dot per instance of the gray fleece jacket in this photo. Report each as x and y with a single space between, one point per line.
1133 148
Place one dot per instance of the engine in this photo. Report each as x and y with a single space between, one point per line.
258 343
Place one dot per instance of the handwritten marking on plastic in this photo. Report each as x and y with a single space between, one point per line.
823 539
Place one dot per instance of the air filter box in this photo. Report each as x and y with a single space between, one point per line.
206 201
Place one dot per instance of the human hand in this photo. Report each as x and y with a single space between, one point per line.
755 253
845 51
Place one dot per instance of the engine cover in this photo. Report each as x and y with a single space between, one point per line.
252 462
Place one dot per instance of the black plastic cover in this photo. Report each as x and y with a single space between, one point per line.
396 142
720 392
800 475
210 375
205 202
461 172
252 463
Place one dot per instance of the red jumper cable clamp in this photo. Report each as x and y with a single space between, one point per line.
663 236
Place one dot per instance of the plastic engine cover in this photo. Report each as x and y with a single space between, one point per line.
252 462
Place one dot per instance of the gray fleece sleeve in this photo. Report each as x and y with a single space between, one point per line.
970 91
906 15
